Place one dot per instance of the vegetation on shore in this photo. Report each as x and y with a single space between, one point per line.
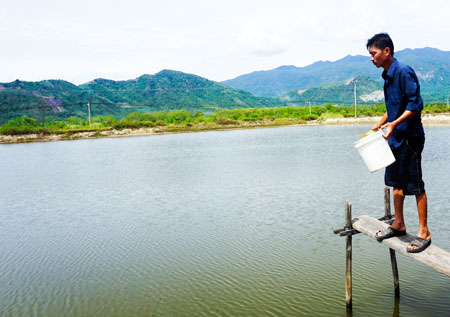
182 120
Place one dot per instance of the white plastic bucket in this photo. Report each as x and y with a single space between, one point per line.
375 151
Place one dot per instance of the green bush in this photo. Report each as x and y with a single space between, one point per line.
226 121
309 117
105 121
436 108
160 123
22 125
13 130
183 118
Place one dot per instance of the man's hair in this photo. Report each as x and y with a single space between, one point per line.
381 41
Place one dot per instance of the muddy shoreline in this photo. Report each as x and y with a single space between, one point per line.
29 138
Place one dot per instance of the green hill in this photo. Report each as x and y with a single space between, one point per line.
57 99
368 91
170 89
166 90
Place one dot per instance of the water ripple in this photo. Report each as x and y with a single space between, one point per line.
235 223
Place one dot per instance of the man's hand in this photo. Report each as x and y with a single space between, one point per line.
376 127
383 120
390 126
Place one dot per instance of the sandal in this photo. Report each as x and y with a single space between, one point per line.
420 243
389 232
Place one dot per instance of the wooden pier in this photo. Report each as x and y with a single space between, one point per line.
433 256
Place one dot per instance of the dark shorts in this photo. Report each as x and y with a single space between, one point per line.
406 171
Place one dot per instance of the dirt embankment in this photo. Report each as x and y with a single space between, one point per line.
27 138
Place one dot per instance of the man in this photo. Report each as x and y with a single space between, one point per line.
404 132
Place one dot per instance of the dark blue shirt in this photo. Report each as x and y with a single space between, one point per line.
402 92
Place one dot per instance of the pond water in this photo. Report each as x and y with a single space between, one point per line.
231 223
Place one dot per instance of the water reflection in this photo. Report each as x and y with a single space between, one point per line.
396 311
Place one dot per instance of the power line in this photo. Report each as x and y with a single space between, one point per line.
305 103
315 101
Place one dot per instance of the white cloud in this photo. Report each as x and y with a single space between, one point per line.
261 39
82 40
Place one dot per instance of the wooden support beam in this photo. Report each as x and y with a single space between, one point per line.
433 256
387 215
395 273
387 203
348 256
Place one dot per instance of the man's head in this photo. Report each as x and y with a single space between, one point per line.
381 49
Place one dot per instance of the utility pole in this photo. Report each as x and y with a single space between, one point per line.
354 91
42 107
309 102
89 111
43 115
447 103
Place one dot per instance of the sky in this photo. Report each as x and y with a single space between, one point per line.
82 40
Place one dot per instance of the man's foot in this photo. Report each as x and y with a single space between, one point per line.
418 245
389 232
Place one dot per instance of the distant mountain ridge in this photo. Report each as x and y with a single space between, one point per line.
369 91
320 82
431 65
166 90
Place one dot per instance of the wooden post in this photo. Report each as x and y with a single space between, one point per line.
395 272
348 256
387 213
354 88
387 203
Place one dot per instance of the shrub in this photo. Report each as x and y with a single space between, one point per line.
309 117
225 121
22 125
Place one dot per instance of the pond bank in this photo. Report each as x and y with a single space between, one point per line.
112 133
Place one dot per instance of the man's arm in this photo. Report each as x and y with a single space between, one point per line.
383 120
390 126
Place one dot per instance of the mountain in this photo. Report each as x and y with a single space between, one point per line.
431 65
166 90
55 98
368 91
173 90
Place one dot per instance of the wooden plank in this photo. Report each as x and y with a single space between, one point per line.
433 256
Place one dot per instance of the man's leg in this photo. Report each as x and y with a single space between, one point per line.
399 222
399 198
422 208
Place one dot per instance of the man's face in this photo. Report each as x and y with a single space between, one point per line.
379 57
